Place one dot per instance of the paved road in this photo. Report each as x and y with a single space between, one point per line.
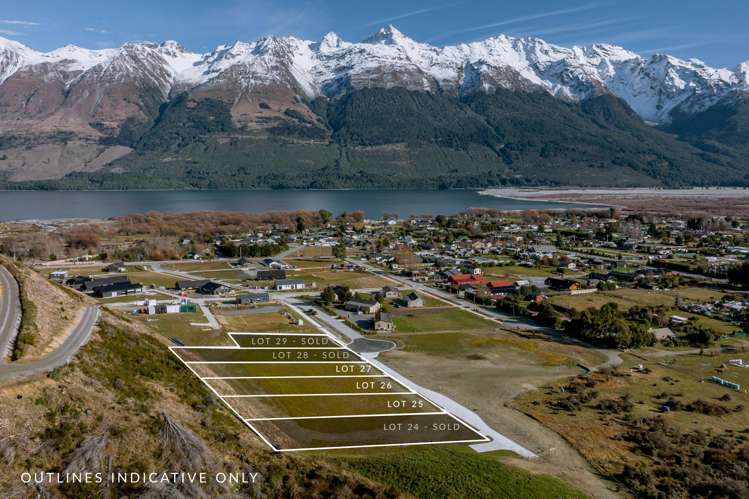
77 338
10 312
356 342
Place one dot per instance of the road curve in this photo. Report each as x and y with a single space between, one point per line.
77 338
10 312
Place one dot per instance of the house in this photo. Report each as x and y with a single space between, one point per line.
390 292
462 279
250 298
677 319
213 288
97 282
289 284
193 284
383 323
663 333
362 306
59 275
271 275
501 287
117 289
412 300
560 284
115 267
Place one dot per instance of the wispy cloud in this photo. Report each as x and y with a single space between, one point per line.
97 30
10 32
691 45
412 13
16 22
580 28
515 20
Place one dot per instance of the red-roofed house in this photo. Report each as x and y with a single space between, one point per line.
462 279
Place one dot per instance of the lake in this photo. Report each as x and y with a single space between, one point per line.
46 205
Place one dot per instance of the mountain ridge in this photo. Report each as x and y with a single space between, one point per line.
341 114
652 86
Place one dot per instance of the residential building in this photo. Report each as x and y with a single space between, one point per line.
289 284
362 306
412 300
383 323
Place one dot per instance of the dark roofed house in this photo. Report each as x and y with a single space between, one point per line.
93 283
115 267
560 284
501 287
117 289
192 284
412 300
213 288
250 298
390 292
362 306
271 275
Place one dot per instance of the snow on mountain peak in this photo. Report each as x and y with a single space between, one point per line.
653 86
387 35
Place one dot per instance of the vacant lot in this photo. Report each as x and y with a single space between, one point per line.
153 279
257 320
626 298
177 326
227 275
327 277
313 251
485 371
193 266
318 263
439 319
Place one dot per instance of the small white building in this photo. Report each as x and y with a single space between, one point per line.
289 284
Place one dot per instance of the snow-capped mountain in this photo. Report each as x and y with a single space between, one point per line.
653 86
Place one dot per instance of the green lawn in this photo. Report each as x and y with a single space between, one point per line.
448 319
454 471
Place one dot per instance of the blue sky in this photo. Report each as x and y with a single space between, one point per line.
715 32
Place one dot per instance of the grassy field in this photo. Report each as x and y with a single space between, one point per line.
229 274
153 279
241 370
261 322
310 263
178 326
452 471
490 345
305 385
329 277
595 433
443 319
313 251
428 300
626 298
194 266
